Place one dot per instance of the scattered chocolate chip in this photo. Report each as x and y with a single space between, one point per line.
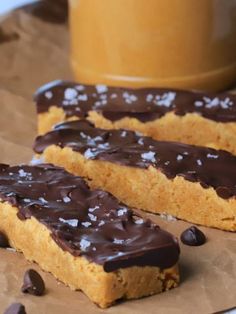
33 283
15 308
3 240
193 236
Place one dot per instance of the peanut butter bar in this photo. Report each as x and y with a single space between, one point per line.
193 183
85 238
164 114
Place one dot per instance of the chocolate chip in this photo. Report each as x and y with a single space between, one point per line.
193 236
3 240
33 283
15 308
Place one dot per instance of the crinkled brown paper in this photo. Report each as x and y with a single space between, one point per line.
34 51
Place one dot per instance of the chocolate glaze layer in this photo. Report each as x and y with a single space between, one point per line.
210 167
144 104
89 223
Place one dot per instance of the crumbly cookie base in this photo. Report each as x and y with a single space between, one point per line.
150 189
190 128
33 239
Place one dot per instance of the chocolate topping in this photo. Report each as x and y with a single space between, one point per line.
144 104
89 223
193 236
33 283
3 240
212 168
15 308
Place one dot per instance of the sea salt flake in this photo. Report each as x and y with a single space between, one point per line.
24 174
27 200
179 157
84 244
166 99
212 156
80 87
48 95
92 209
149 156
83 97
70 93
199 162
140 141
149 97
92 217
139 221
66 199
123 133
88 154
42 199
101 223
103 145
118 241
70 222
101 88
129 98
86 224
198 103
121 211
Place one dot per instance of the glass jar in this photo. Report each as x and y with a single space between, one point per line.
164 43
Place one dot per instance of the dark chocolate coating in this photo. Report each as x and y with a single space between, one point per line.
89 223
145 104
33 283
193 236
211 167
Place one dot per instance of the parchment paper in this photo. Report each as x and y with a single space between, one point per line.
34 51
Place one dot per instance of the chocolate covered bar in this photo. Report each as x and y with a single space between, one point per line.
194 183
164 114
85 238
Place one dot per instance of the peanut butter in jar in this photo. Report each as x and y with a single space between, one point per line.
160 43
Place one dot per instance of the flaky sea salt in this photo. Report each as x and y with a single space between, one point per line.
89 154
86 224
179 157
165 100
118 241
70 222
66 199
149 156
92 217
101 88
121 211
48 95
41 199
92 209
213 156
84 244
70 93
